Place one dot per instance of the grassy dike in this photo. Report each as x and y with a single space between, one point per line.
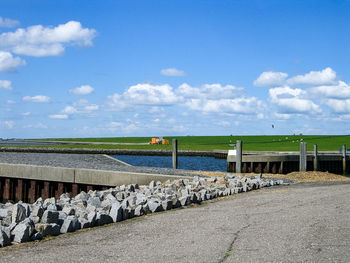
210 143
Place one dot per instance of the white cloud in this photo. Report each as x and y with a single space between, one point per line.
92 107
155 109
114 124
82 90
260 116
282 116
8 124
26 113
208 98
173 72
271 79
126 128
11 102
314 78
339 106
36 126
6 84
9 63
38 98
285 92
41 41
58 116
143 94
224 123
291 101
229 106
7 22
208 91
339 91
150 94
69 110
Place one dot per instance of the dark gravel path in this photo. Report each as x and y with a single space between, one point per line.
87 161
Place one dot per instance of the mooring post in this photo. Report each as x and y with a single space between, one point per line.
316 168
302 157
175 154
238 156
344 159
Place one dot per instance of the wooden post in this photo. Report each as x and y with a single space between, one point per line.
281 168
19 190
267 167
45 192
239 156
316 166
7 190
59 191
175 160
344 159
32 191
302 157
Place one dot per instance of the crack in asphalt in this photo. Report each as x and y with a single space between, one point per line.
230 248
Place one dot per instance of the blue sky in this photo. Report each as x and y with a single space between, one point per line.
160 68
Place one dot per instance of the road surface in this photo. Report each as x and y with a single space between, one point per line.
296 223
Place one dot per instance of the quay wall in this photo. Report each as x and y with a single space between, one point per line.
29 182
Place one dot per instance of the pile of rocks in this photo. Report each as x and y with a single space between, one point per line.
22 222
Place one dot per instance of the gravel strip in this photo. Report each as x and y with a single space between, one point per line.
86 161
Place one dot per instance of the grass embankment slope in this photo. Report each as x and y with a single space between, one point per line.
209 143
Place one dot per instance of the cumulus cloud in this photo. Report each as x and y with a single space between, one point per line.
291 101
7 124
339 91
228 106
9 63
208 98
314 78
82 90
208 91
271 79
126 128
58 116
92 107
80 107
339 106
217 98
6 84
172 72
41 41
143 94
37 98
36 126
69 110
7 22
150 94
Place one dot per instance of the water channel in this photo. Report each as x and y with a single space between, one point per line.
184 162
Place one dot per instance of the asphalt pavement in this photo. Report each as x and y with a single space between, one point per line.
306 222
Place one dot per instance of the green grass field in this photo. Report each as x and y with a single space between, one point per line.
209 143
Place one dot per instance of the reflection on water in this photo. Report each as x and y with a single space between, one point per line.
184 162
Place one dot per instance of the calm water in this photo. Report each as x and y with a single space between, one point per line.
184 162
